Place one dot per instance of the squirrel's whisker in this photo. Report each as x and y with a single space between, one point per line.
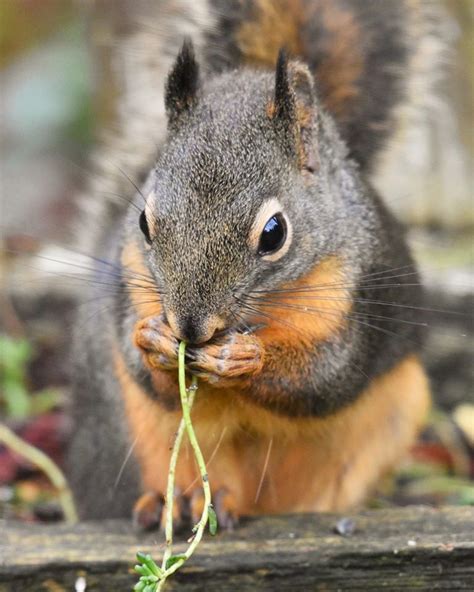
130 180
349 316
240 319
113 306
117 269
368 301
123 198
258 312
389 270
312 309
124 464
344 287
299 330
353 284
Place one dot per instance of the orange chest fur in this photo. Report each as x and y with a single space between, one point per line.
277 464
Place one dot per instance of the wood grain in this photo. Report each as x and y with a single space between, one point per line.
405 549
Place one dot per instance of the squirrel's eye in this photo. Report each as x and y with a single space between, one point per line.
144 227
273 235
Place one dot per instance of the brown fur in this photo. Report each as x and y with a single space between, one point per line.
145 301
344 60
277 23
298 328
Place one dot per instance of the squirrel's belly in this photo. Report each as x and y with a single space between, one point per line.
273 464
334 462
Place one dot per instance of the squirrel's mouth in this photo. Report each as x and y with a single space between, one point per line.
197 330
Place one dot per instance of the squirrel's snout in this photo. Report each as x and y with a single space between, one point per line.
193 329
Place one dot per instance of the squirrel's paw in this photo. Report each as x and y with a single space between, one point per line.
226 509
149 510
224 504
159 346
226 359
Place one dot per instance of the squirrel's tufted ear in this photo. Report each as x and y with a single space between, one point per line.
182 83
293 109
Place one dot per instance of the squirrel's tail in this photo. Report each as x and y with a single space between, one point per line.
372 59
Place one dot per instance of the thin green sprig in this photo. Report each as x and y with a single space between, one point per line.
152 577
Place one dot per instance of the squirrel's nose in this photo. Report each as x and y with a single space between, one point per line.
194 330
191 332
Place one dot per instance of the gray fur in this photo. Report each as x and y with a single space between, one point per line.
211 180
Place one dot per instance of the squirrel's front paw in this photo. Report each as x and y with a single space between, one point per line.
159 346
226 359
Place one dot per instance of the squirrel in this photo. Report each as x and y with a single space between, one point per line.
256 236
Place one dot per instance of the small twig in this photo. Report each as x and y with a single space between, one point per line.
152 575
48 466
186 403
170 486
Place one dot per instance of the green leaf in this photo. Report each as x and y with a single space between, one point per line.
174 559
143 570
139 586
212 520
148 563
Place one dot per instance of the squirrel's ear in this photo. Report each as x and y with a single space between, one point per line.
293 109
182 83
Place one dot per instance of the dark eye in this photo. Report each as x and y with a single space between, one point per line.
144 227
273 235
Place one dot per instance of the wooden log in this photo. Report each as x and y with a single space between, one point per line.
405 549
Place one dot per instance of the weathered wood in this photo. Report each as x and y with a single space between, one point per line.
397 549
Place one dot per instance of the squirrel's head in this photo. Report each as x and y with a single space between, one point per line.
238 203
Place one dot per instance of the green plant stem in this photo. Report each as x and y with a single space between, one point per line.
49 467
170 486
187 400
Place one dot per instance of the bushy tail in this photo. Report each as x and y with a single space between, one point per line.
371 60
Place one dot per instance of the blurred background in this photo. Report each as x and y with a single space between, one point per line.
57 90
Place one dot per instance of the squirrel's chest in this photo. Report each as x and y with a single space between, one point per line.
279 464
